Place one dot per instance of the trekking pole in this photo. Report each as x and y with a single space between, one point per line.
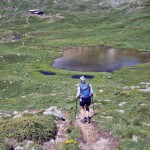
93 103
76 107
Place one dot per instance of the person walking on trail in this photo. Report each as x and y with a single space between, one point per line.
84 93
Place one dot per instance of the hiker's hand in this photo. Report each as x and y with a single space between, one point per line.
77 97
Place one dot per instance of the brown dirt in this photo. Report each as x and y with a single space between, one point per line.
92 139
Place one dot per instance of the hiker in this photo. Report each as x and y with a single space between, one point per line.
84 93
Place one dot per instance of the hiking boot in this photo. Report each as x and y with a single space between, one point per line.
88 119
84 120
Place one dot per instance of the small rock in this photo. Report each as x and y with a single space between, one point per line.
126 87
145 90
51 108
2 113
107 100
19 148
142 104
59 140
132 87
145 83
23 96
137 87
106 117
7 115
15 113
53 111
101 91
122 103
134 138
146 124
91 110
28 144
25 112
17 116
52 141
120 111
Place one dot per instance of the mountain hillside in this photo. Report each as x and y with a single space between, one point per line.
75 4
126 22
30 85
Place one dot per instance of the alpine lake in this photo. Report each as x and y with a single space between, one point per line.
99 59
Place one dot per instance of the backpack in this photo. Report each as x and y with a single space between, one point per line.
85 91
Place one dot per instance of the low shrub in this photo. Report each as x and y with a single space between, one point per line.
35 128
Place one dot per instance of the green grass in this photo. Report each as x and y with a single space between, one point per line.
23 87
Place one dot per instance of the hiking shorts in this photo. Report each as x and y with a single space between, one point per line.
85 102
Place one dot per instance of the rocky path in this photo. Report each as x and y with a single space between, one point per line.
92 139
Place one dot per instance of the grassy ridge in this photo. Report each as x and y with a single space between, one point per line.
30 44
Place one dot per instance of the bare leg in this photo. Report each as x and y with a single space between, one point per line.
88 114
87 111
83 114
83 111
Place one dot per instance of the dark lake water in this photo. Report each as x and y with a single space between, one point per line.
99 59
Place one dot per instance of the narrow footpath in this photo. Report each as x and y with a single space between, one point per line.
91 138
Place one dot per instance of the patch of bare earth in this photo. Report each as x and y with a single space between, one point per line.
94 139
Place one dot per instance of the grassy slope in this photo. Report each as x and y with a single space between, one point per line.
23 87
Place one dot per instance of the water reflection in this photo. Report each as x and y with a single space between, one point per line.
99 58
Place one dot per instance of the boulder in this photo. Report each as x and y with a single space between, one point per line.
54 111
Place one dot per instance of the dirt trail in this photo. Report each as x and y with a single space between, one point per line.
92 139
